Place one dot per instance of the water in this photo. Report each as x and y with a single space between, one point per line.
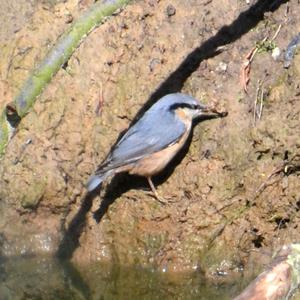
41 278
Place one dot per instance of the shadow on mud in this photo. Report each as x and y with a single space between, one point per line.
70 240
174 83
210 48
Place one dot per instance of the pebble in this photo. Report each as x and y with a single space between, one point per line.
276 53
153 63
222 67
170 10
68 18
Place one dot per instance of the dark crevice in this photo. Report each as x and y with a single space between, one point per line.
281 222
258 241
12 116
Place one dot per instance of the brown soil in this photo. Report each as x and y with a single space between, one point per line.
224 210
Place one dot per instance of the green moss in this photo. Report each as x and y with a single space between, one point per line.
215 258
265 46
154 242
61 52
33 195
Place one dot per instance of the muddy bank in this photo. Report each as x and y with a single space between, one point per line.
224 207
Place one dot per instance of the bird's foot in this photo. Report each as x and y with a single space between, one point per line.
155 194
160 199
157 197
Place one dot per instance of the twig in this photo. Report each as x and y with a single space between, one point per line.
245 71
255 103
287 166
287 10
261 103
100 103
258 98
276 33
263 186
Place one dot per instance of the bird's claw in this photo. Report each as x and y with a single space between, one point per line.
160 200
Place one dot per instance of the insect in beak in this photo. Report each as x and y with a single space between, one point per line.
210 110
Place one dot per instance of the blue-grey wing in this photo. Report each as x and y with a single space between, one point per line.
153 132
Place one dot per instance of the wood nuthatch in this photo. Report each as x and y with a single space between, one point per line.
151 143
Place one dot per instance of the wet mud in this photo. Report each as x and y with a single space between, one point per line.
233 193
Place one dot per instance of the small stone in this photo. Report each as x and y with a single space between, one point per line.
111 29
276 53
33 195
152 2
123 25
222 67
170 10
68 18
153 63
140 47
206 190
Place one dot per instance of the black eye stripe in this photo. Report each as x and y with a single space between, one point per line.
184 105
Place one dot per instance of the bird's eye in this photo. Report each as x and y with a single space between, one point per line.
184 105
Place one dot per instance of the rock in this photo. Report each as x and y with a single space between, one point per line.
276 53
170 10
222 67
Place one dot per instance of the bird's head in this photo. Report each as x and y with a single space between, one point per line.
187 107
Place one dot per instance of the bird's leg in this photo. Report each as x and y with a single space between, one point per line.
158 198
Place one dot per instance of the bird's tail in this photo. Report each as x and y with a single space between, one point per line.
95 180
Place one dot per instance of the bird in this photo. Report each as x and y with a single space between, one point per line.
153 141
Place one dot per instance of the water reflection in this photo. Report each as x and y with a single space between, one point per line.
47 278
